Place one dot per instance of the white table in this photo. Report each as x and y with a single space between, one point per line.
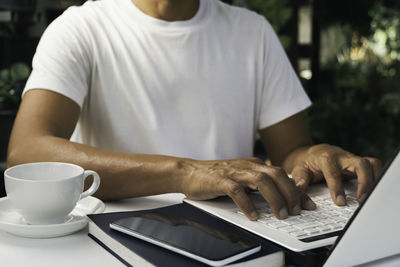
80 250
74 250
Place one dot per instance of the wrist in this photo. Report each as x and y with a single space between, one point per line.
182 173
153 175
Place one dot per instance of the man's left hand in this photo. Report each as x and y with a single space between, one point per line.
335 164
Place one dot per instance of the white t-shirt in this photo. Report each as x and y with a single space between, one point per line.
199 88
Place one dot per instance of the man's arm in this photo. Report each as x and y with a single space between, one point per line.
309 164
41 132
283 138
46 120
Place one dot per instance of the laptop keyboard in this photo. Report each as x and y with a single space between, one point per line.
327 218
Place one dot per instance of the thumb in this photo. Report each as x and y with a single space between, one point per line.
301 177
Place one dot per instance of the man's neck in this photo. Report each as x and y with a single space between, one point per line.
169 10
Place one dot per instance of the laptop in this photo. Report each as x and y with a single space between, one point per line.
364 232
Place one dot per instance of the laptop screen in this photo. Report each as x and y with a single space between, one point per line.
373 231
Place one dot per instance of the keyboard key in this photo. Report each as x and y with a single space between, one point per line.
324 228
278 225
320 216
298 234
293 220
336 227
307 225
311 231
264 220
286 229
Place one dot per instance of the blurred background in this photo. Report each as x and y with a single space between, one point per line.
347 54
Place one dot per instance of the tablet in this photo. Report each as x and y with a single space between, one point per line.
191 239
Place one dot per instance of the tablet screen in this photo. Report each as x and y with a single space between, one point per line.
185 235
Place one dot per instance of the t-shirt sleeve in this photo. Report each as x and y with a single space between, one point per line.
282 94
62 63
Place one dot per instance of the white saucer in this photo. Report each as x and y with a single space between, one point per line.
12 222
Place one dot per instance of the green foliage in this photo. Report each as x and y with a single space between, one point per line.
277 12
354 13
12 81
356 107
357 94
357 97
386 24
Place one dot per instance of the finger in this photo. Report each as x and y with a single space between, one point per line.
261 182
282 195
376 166
287 188
333 177
302 177
237 193
272 195
256 160
307 203
365 176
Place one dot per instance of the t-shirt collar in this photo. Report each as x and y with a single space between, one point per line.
203 14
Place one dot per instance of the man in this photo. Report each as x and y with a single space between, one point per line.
169 95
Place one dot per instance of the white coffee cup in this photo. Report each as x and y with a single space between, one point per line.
46 192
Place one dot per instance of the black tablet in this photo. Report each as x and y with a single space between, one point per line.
186 237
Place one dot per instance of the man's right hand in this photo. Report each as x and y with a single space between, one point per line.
210 179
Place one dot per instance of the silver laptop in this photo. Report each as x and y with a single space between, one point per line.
373 232
367 232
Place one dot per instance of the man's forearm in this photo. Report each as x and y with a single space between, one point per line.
122 175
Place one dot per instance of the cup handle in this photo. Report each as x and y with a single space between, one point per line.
95 185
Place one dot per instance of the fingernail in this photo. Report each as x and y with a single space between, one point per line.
283 213
254 215
340 200
300 183
363 196
310 205
297 209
